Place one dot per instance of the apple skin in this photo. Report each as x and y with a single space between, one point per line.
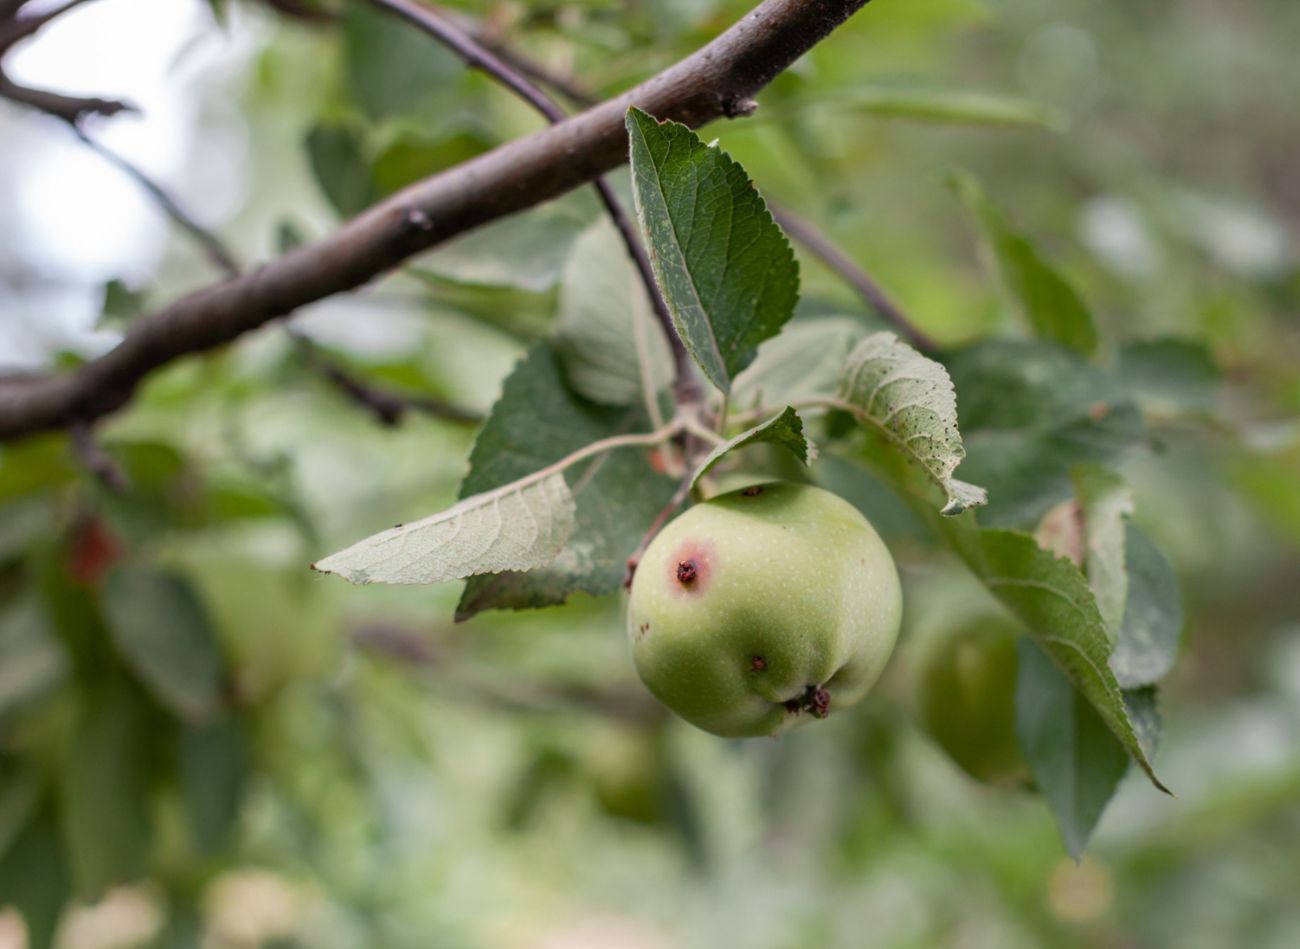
966 693
764 608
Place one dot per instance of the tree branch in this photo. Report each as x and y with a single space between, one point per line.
821 246
17 28
436 24
715 81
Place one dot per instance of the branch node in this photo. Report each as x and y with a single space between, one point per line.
735 107
416 221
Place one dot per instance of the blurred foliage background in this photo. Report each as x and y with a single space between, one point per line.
208 745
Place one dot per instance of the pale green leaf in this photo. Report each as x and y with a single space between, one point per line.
724 267
612 349
1153 615
803 361
538 420
1105 503
785 429
519 526
909 400
1050 303
953 105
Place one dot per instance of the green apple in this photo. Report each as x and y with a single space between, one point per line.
764 608
966 693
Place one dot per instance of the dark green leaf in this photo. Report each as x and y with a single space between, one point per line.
1076 762
785 430
391 66
1052 306
1153 615
104 789
338 160
31 659
1051 597
537 421
1171 373
213 766
724 267
1030 412
34 877
162 632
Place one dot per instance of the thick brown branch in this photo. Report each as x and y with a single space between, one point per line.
821 246
440 27
713 82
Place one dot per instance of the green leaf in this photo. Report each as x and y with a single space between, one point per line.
518 526
1153 615
1170 373
802 361
34 877
342 169
953 105
213 766
104 789
1076 762
162 632
1052 306
1143 706
527 252
613 351
537 421
722 264
910 401
392 67
1105 503
785 429
31 659
1030 412
1051 597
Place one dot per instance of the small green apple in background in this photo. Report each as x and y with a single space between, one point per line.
763 608
966 696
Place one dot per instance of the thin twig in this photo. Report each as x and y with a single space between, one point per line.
17 28
70 109
212 246
96 460
676 501
821 246
442 28
389 408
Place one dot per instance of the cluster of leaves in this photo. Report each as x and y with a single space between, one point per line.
556 499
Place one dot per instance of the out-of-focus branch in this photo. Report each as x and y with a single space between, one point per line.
442 28
718 80
389 408
851 273
71 109
212 246
96 460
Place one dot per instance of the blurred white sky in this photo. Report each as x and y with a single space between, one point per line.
70 221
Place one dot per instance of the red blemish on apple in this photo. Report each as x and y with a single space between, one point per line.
690 567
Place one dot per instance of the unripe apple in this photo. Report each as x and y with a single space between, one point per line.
966 693
764 608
